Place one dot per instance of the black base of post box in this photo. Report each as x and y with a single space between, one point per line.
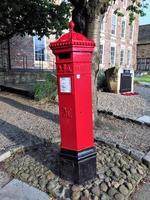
78 167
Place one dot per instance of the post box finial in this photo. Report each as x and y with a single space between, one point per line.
71 25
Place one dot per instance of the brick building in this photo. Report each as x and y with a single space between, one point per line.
118 39
118 43
143 48
27 53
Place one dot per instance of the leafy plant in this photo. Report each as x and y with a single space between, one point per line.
101 80
136 82
32 17
46 89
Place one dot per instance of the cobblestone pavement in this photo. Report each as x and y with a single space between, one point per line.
117 174
145 93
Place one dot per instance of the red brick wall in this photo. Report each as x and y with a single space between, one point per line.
107 38
22 49
22 54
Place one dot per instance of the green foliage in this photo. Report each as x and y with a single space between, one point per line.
118 12
101 80
136 8
47 89
144 78
44 17
136 82
33 17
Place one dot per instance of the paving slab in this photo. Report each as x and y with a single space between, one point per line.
144 192
144 119
145 84
18 190
4 178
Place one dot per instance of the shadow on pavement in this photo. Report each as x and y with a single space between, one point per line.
46 154
38 112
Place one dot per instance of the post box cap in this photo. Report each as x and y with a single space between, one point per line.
72 38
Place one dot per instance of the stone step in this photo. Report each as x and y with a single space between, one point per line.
18 190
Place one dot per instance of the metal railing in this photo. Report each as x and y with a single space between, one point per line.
28 63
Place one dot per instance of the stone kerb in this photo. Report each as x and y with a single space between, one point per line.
136 154
117 174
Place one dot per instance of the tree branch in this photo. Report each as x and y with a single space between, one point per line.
78 3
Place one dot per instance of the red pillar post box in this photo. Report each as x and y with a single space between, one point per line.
73 63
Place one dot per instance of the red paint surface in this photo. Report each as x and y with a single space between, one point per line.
73 59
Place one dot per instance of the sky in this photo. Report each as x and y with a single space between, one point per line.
146 19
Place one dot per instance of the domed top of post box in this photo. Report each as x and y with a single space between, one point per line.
72 39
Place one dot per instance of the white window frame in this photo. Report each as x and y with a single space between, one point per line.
122 59
45 50
102 26
113 46
131 35
123 33
116 2
102 43
129 59
115 25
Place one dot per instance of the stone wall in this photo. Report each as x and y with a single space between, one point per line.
22 54
1 78
143 50
23 77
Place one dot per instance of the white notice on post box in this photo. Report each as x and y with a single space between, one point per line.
65 84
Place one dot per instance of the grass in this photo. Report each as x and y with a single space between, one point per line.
144 78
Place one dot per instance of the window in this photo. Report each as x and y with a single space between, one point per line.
123 24
148 64
101 26
113 55
113 24
131 31
142 64
101 54
122 57
39 48
129 57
